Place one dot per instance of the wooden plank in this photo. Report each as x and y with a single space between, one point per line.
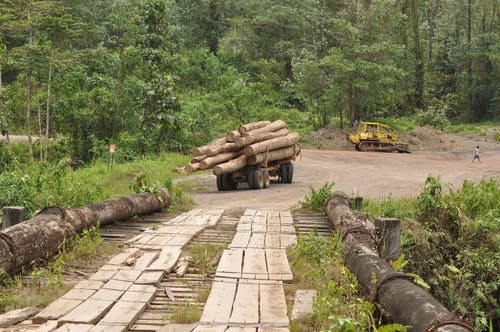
117 285
273 308
89 284
107 294
150 277
244 227
55 310
143 297
254 264
287 240
240 240
123 257
246 219
142 288
257 240
89 312
127 275
145 260
166 260
287 229
219 303
15 316
261 219
272 240
303 303
124 313
277 261
180 240
108 328
175 327
205 328
250 212
103 275
246 305
261 213
273 218
78 294
74 328
272 228
241 329
231 262
273 329
259 227
286 220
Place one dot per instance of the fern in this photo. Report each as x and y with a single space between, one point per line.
392 328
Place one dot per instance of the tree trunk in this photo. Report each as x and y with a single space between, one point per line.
274 155
28 118
232 136
192 167
47 110
247 140
252 126
226 147
231 166
402 300
198 158
275 126
217 159
469 60
430 33
419 63
272 144
42 235
39 114
204 149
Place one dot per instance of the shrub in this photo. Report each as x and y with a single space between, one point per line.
315 201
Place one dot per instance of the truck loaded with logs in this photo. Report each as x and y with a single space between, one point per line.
254 154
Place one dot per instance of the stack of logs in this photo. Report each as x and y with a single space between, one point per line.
252 144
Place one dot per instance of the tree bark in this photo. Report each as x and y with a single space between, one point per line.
272 144
252 126
405 302
198 158
226 147
217 159
274 155
232 136
192 167
275 126
47 110
419 63
42 235
247 140
204 149
231 166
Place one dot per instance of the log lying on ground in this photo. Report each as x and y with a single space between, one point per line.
272 144
197 159
231 166
43 234
247 140
252 126
405 302
204 149
212 161
274 155
274 126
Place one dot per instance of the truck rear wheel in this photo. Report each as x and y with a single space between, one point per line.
256 179
267 179
289 173
224 182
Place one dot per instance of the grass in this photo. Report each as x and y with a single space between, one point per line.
44 284
185 313
204 257
473 128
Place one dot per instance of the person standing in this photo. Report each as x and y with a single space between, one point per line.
476 154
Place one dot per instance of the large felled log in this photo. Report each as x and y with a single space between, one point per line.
192 167
274 126
212 161
274 155
272 144
231 166
226 147
232 135
197 159
405 302
43 234
247 140
252 126
204 149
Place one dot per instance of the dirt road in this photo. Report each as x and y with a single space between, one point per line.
373 175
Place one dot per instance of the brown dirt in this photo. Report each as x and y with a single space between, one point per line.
373 175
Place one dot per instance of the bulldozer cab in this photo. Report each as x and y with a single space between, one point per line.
374 131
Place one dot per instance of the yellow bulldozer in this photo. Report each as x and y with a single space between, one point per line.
377 137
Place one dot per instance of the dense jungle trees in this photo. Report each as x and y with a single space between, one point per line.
156 75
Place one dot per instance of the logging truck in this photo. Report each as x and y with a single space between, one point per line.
257 176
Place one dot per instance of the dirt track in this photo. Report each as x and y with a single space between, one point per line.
374 175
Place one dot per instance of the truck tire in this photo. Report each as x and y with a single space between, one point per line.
267 179
283 174
227 183
257 179
219 183
289 173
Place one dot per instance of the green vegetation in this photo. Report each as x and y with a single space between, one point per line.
40 185
185 313
44 283
317 263
451 239
204 257
315 200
